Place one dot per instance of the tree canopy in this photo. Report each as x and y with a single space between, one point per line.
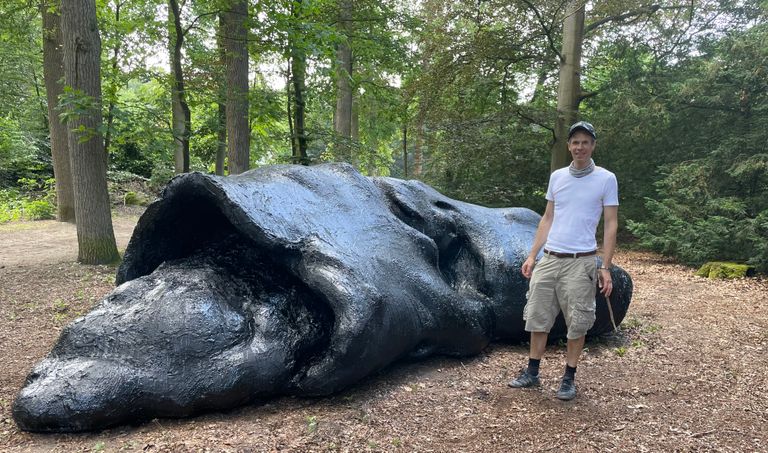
462 95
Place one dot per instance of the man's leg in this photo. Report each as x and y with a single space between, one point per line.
567 389
578 296
529 377
574 348
539 314
538 344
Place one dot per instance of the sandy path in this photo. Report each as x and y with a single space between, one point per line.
49 241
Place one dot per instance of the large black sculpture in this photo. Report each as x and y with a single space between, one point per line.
286 280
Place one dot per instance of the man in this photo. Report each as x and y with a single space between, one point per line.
564 279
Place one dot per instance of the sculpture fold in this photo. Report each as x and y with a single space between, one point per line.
286 280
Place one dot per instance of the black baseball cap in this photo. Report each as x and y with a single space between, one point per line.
582 126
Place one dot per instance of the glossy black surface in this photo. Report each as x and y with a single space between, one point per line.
286 280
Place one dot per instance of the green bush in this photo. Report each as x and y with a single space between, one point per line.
33 200
134 199
704 214
716 269
161 174
39 210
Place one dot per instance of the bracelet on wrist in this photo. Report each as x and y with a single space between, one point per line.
603 267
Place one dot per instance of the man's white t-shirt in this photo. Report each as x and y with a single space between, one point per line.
578 205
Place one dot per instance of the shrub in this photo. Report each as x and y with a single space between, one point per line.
161 174
35 201
39 210
704 214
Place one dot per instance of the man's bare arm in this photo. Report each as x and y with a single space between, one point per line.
610 227
541 237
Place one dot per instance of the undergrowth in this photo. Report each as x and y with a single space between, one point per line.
32 199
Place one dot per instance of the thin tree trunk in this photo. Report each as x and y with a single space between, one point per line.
539 90
354 129
405 151
221 139
236 56
53 73
43 108
343 124
113 86
289 108
221 126
82 72
418 143
343 117
297 73
180 109
569 88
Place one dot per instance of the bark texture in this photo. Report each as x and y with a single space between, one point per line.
569 88
82 72
221 132
343 116
236 57
182 118
53 73
298 82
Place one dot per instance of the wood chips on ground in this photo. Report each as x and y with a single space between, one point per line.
687 372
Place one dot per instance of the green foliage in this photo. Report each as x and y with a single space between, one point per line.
161 174
140 132
32 200
311 424
714 206
716 269
18 157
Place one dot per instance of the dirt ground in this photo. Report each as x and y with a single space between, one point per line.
687 372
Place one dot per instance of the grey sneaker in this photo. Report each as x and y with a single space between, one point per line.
525 379
567 390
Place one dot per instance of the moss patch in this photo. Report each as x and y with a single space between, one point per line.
719 269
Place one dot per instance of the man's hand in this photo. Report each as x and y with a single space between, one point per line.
604 280
528 265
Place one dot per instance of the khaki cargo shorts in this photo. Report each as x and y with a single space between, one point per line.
562 284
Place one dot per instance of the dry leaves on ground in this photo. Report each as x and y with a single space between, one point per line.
687 371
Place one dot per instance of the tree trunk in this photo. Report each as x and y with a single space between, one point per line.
112 90
38 93
180 109
289 109
82 50
236 56
221 139
405 151
569 88
343 116
53 73
539 90
298 73
221 126
418 143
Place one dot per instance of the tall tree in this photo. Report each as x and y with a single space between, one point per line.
235 20
297 90
53 74
112 86
221 101
82 75
343 114
182 117
569 86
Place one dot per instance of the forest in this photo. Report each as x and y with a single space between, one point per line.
471 97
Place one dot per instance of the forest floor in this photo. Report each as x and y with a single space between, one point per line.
688 371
